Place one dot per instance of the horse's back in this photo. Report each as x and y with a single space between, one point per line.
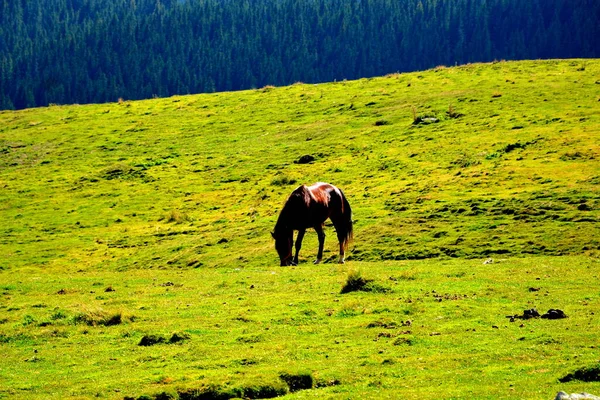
311 205
321 186
323 193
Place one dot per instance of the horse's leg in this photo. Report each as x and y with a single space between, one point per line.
299 244
341 238
342 259
321 235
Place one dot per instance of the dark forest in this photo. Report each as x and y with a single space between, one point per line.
91 51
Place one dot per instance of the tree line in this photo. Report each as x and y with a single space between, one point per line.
83 51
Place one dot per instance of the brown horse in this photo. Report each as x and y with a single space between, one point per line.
309 207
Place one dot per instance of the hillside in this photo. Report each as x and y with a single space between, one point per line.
137 262
510 168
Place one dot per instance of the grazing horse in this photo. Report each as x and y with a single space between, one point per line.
309 207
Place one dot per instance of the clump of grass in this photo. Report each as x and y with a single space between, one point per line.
415 116
262 390
249 339
283 181
20 337
452 113
382 122
298 381
142 397
151 340
327 382
585 374
99 317
405 276
513 146
356 283
253 390
178 337
267 88
166 395
349 310
408 341
211 391
465 161
116 171
175 216
384 323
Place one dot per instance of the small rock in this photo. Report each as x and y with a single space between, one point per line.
305 159
429 120
575 396
527 314
583 207
425 120
532 313
554 314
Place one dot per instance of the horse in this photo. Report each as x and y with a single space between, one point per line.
309 207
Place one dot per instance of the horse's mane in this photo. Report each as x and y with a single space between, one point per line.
300 198
301 193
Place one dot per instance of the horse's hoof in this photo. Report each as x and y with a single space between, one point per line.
317 261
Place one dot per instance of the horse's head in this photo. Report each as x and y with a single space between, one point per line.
283 245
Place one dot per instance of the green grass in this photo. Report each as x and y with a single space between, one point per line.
169 203
443 333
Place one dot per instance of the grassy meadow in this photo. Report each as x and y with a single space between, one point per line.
137 262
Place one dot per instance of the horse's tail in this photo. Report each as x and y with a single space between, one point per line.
346 221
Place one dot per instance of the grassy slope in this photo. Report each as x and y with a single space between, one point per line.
113 194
